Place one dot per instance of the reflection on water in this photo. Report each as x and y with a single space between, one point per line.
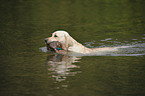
61 66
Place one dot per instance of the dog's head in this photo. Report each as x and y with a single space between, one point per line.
61 36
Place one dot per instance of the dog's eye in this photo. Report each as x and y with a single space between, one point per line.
55 36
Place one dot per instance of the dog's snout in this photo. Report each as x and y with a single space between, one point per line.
46 40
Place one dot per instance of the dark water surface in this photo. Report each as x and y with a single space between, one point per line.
26 70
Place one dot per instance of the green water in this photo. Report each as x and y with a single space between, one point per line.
26 70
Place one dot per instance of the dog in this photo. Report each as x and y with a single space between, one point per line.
70 44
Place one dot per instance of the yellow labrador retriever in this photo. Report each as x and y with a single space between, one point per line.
70 44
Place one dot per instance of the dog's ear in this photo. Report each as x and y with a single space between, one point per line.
68 41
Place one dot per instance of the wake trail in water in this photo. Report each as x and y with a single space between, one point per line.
128 50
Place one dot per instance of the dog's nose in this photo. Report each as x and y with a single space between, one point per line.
46 40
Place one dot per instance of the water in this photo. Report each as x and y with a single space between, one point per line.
27 69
